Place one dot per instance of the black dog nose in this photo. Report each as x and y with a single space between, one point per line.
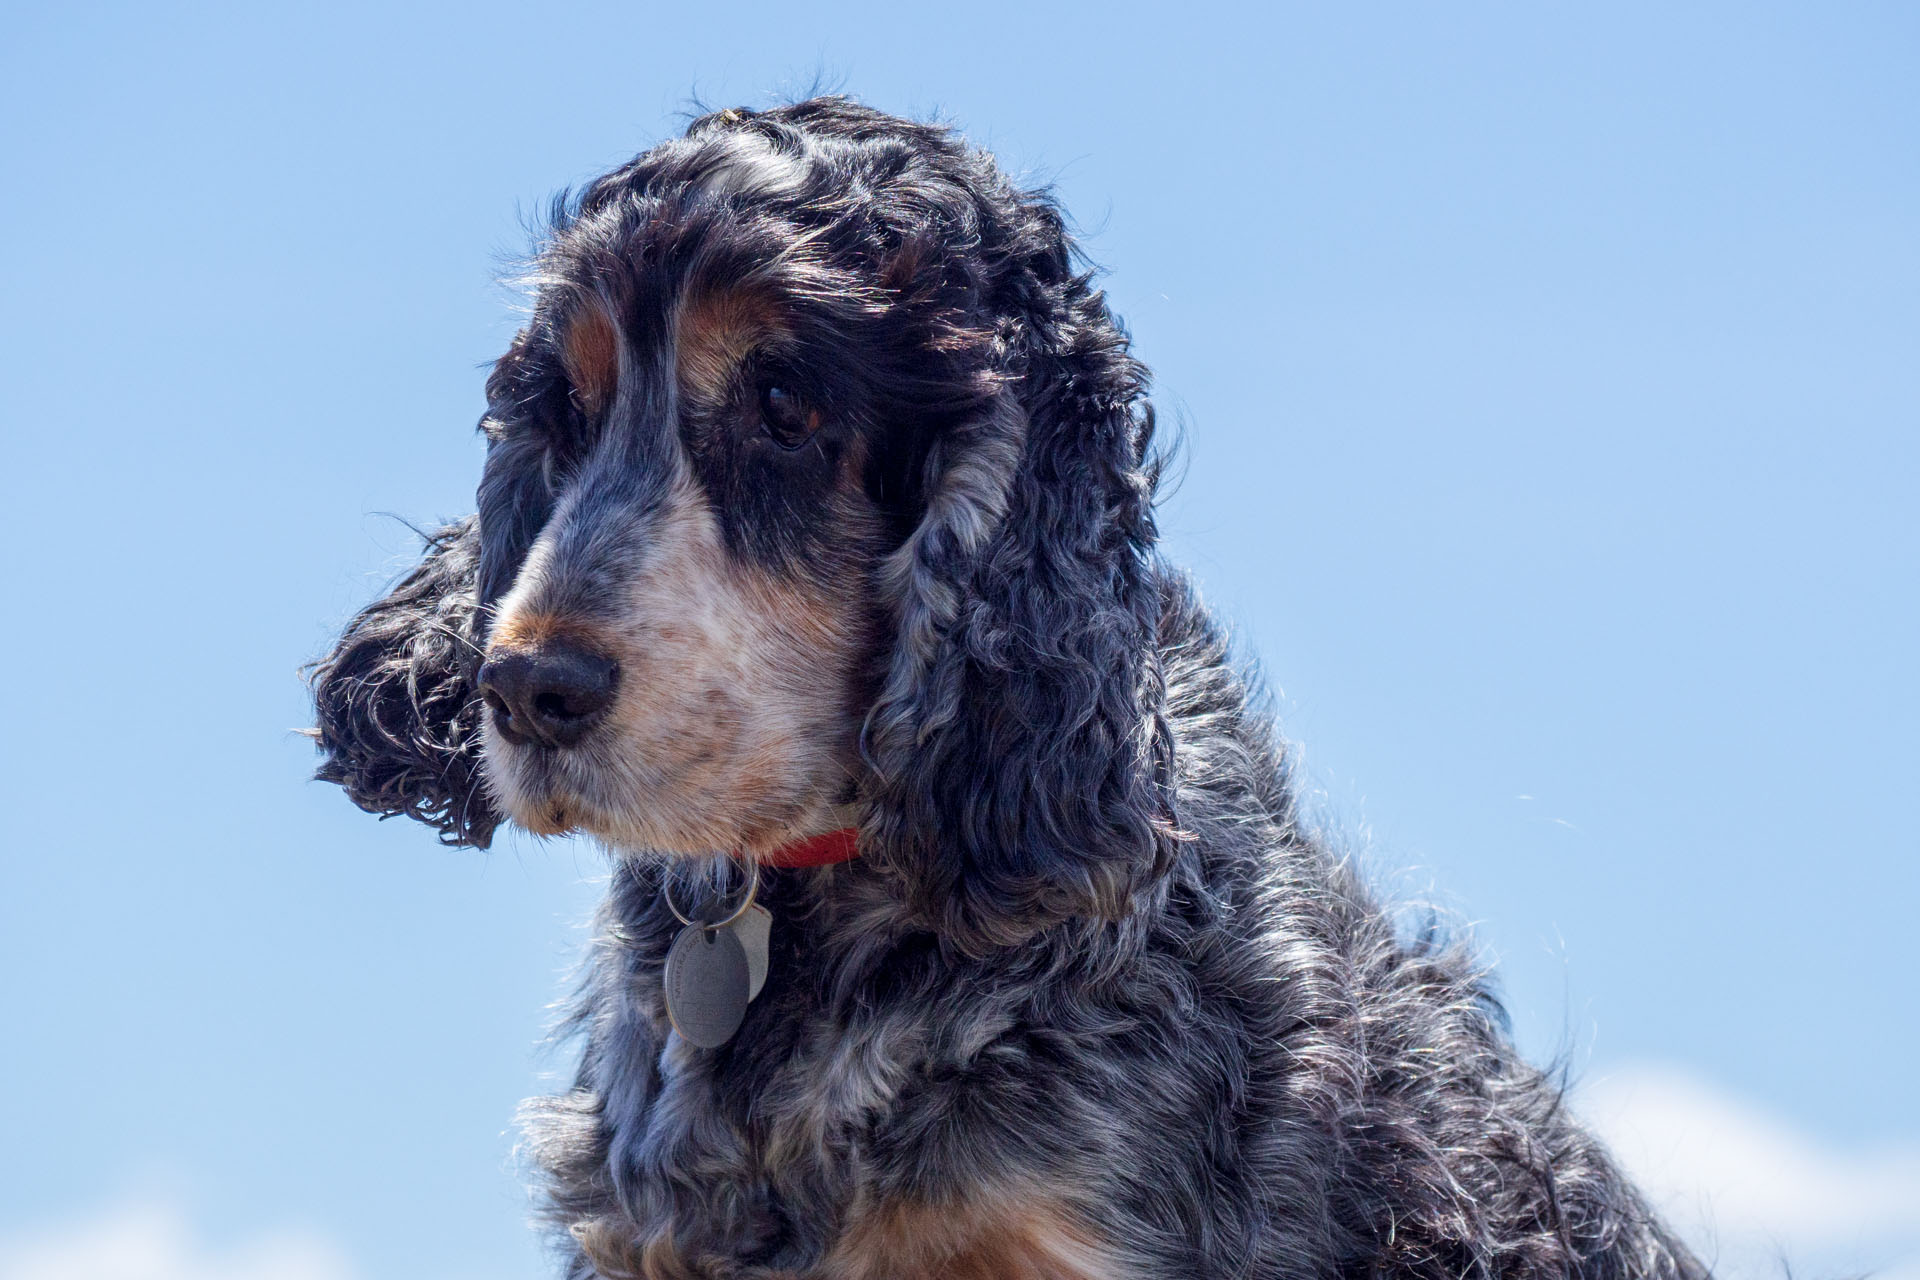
551 695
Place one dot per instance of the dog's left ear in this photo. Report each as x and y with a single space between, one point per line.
397 716
1021 750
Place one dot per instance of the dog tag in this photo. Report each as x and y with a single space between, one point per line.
754 928
706 985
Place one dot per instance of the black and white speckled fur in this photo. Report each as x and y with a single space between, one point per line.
1089 956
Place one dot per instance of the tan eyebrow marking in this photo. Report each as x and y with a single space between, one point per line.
716 331
590 350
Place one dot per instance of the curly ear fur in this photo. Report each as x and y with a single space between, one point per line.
1021 744
398 721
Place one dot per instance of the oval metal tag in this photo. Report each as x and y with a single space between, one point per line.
706 984
754 928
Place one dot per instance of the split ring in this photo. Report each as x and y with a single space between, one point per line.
746 899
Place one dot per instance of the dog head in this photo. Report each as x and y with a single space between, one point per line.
816 476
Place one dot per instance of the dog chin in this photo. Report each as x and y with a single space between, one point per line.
554 812
543 814
644 835
546 797
637 833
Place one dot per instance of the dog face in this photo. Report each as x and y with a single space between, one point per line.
711 432
684 653
817 474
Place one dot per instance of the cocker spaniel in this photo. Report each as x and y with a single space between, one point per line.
961 923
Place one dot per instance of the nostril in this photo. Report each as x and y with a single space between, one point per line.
555 706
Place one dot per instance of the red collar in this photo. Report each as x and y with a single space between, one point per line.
816 851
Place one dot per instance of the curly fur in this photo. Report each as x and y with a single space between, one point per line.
398 721
1093 1002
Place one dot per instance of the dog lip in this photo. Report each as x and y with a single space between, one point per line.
543 803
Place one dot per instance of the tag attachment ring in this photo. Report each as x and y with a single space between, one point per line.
746 900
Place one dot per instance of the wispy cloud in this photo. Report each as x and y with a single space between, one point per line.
1752 1192
157 1242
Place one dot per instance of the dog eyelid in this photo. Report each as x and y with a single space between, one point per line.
785 416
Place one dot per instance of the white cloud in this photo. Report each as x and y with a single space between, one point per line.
1751 1192
156 1242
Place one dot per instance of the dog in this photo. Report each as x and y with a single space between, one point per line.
814 574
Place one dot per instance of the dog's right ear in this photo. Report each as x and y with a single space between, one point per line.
397 716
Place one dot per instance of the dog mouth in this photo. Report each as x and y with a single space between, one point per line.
680 806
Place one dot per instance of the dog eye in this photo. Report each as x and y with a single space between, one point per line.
787 419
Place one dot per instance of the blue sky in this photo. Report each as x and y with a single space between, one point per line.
1550 390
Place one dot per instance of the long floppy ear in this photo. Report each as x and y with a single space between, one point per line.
398 719
1021 749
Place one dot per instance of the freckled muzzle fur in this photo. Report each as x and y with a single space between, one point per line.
733 726
1093 1002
